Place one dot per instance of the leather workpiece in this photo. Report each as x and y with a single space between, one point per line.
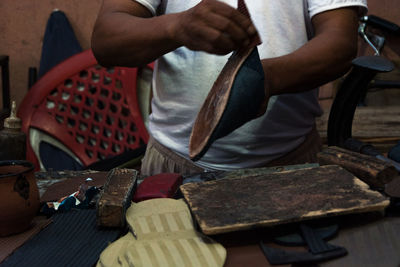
162 233
236 97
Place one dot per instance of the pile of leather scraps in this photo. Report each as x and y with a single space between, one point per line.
83 198
55 184
162 233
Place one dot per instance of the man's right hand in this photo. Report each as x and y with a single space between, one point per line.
214 27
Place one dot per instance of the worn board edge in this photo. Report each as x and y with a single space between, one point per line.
269 223
106 207
378 207
188 185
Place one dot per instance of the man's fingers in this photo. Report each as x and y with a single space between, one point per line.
214 27
233 15
211 40
229 28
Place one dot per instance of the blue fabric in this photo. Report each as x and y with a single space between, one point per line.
59 42
72 239
56 159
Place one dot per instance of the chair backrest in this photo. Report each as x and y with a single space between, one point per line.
93 111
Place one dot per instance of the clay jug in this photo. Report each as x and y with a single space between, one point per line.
19 196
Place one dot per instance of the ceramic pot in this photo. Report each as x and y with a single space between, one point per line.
19 196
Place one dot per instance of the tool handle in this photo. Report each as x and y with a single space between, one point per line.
361 147
383 24
367 149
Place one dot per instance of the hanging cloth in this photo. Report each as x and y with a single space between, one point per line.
59 42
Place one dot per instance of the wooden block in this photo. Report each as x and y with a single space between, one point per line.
116 197
375 172
228 205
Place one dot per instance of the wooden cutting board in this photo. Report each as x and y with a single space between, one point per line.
229 205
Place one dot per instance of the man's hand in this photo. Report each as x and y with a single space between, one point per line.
126 33
213 27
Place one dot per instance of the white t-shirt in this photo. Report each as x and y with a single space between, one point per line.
183 78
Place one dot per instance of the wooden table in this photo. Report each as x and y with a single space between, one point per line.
370 238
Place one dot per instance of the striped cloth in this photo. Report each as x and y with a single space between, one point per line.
162 233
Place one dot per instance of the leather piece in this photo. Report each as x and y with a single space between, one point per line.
162 233
235 98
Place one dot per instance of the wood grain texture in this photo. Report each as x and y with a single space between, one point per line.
229 205
116 197
376 173
244 173
379 126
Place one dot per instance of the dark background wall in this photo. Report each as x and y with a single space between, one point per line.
22 26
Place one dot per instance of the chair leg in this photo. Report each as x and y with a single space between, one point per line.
5 77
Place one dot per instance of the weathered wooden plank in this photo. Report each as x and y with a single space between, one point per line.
243 173
228 205
369 122
116 197
376 173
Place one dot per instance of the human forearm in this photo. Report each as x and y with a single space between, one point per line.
307 68
127 40
324 58
126 34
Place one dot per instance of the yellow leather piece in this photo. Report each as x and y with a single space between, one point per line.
162 233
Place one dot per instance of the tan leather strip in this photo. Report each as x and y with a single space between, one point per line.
182 252
152 255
